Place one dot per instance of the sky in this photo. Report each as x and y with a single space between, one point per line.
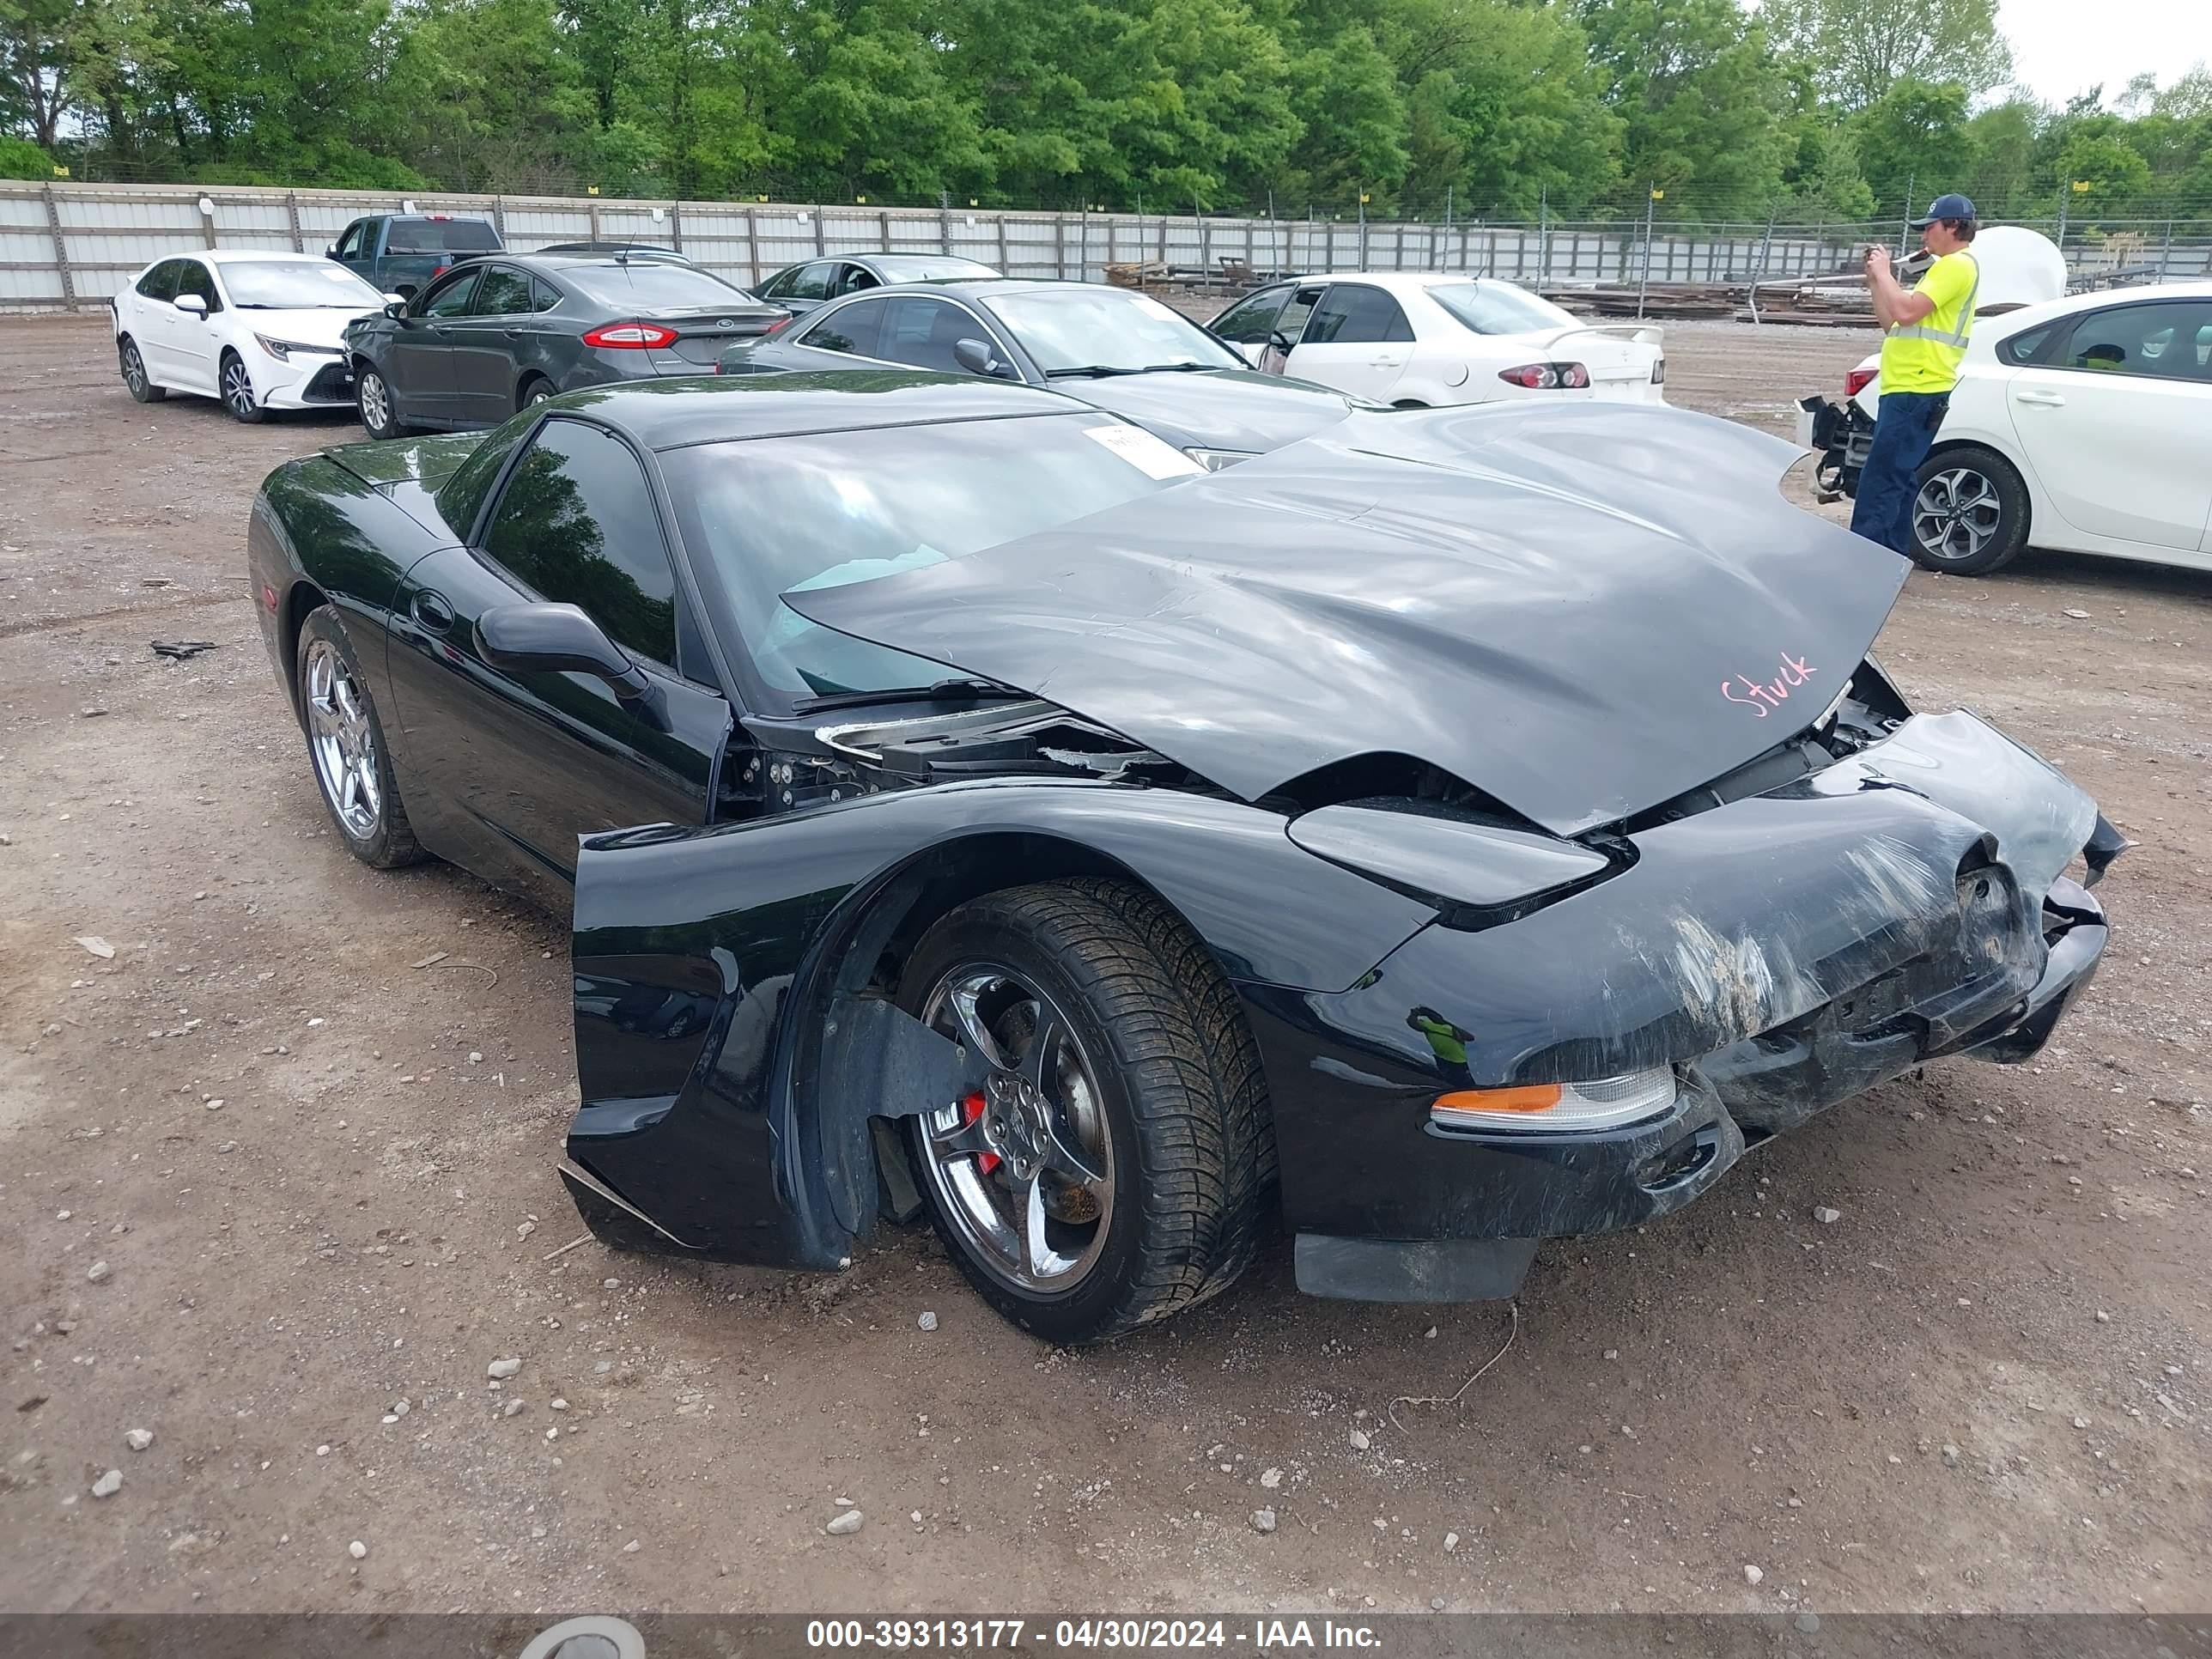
2061 47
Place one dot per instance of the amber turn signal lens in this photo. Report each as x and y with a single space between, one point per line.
1528 1098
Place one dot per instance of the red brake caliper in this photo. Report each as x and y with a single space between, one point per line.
972 1108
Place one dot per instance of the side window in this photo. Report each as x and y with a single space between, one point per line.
452 300
778 285
1352 313
350 244
808 281
503 291
921 333
1291 324
851 279
1250 321
576 523
2155 338
857 328
160 283
2025 347
543 296
193 277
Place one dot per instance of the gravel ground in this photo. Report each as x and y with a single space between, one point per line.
264 1176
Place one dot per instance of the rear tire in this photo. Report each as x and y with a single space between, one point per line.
1970 512
380 409
346 749
1158 1083
133 365
535 390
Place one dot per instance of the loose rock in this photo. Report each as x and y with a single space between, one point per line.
1823 1215
1951 1457
927 1322
1263 1520
358 1550
1451 1543
108 1484
1271 1479
844 1525
501 1369
1751 1575
98 1272
138 1439
1360 1440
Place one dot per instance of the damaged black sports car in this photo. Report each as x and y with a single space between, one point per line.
1458 830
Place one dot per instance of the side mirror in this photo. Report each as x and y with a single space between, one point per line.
394 306
977 358
192 305
556 639
329 250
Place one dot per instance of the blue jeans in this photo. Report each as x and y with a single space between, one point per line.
1904 429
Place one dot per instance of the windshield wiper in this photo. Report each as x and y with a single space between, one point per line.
941 691
1098 371
1182 369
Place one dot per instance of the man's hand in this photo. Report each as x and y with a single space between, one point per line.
1877 262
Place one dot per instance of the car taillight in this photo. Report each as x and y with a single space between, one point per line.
1543 377
1858 380
630 337
1659 371
776 327
439 272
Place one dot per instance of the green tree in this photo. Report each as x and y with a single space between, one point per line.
1864 47
1914 140
21 159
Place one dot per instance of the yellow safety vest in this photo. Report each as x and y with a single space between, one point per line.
1925 355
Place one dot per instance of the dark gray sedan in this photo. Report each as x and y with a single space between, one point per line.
504 332
1113 349
800 288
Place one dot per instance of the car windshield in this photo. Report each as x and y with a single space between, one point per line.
1499 308
650 285
921 267
1070 331
442 236
297 285
774 514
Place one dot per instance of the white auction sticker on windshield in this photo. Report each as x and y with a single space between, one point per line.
1151 456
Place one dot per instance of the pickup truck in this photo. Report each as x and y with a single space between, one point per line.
400 252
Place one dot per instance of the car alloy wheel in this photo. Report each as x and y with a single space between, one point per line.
1957 514
375 403
238 390
343 741
134 370
1023 1168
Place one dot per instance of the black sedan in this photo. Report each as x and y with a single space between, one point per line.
1112 348
811 282
498 333
1104 855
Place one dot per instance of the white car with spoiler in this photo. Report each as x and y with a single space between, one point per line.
1428 338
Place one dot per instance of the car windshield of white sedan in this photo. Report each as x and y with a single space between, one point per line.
776 514
1104 330
1498 308
297 285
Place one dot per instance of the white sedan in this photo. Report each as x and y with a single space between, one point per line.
259 330
1419 340
2082 425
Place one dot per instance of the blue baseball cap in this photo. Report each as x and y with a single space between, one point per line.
1953 206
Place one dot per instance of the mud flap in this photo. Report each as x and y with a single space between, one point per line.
879 1063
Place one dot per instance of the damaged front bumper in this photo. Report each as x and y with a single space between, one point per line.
1781 954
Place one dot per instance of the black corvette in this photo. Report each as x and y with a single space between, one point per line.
1447 832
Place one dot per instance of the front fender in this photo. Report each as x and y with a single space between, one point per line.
724 1143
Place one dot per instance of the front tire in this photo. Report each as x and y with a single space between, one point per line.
133 365
346 747
1116 1168
1970 512
380 410
237 388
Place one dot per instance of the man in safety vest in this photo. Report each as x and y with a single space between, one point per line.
1920 358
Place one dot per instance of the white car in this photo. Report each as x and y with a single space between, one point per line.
259 330
1420 339
2082 425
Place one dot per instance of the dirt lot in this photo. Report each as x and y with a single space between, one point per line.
319 1176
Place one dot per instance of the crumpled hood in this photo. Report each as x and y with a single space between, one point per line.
1232 409
1581 609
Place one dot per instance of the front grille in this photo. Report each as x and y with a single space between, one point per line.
333 383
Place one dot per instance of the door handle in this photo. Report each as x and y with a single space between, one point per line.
512 333
2040 399
432 612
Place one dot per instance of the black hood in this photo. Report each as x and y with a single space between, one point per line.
1226 409
1581 609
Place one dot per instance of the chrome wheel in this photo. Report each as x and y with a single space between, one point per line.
1956 515
375 403
543 394
238 389
134 370
1024 1167
342 741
